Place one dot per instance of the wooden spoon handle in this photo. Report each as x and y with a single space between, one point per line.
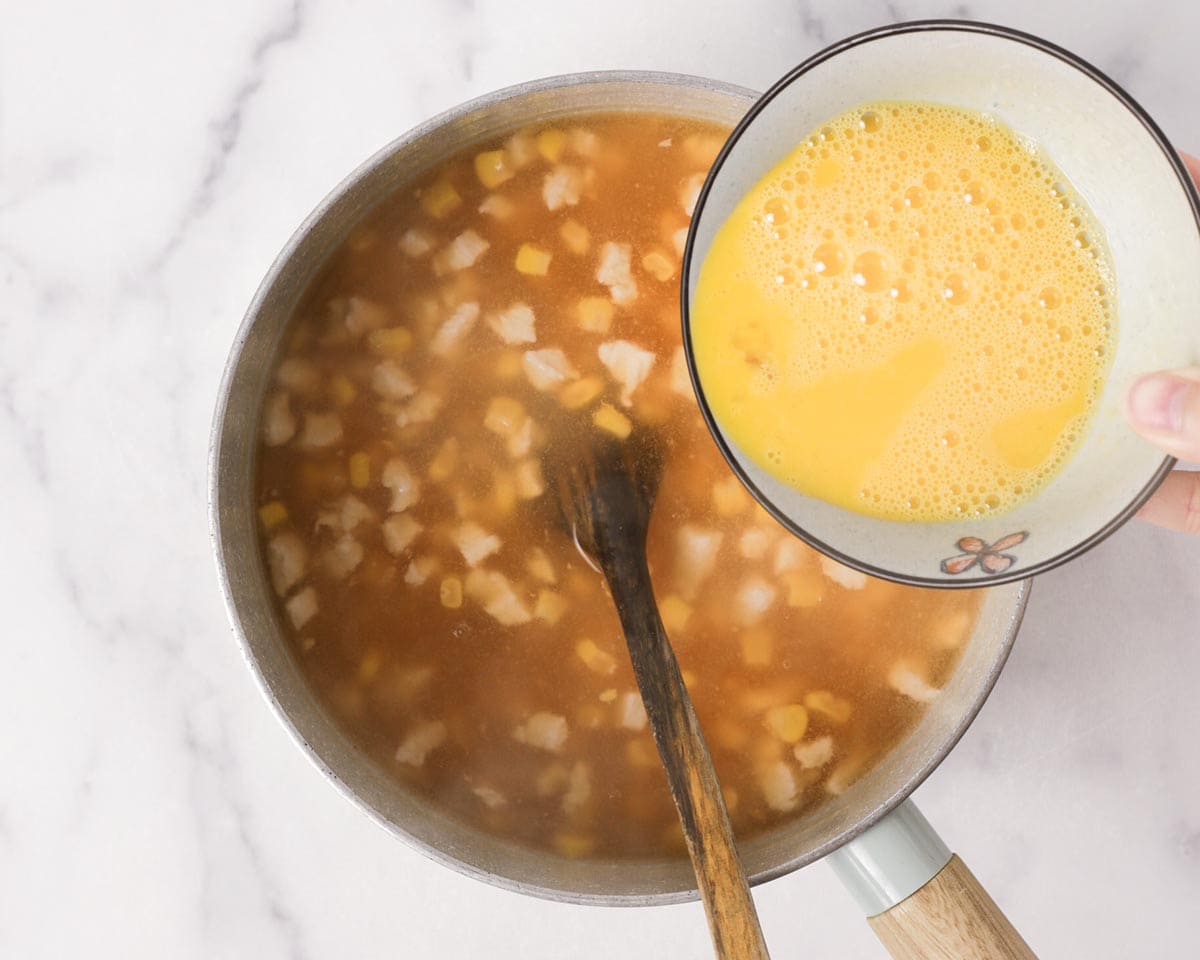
732 919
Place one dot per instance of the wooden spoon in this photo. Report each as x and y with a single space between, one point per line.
606 489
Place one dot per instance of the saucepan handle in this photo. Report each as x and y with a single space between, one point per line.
920 899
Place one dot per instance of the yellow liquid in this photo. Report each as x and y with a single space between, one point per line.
910 316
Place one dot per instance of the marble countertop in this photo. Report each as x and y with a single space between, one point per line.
153 159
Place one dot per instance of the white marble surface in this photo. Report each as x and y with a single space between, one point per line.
153 159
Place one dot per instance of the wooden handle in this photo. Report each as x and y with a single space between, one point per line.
732 919
950 918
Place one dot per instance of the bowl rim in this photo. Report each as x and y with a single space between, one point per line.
877 33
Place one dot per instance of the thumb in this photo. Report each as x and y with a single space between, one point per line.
1164 408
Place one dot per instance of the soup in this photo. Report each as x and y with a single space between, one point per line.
910 316
434 600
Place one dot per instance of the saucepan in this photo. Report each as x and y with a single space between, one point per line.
879 842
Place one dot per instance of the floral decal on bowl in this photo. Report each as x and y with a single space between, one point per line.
991 557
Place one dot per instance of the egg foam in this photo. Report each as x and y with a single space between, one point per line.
911 316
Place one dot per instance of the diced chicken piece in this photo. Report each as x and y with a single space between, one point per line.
675 612
287 559
628 364
844 774
451 593
420 570
546 731
608 696
561 187
539 566
814 753
584 142
616 273
521 442
689 193
579 788
302 607
631 711
755 543
399 531
421 409
392 382
475 543
420 742
828 705
730 497
521 149
298 375
454 329
681 380
789 555
695 556
549 368
496 595
491 797
406 489
805 587
595 314
758 647
279 425
905 680
778 785
493 168
506 418
755 597
575 235
496 206
363 316
550 606
581 392
842 575
532 260
514 325
440 200
788 722
416 242
679 240
597 660
320 430
530 482
702 148
659 265
343 558
354 513
611 420
462 252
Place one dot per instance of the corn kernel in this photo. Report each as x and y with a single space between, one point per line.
360 469
550 144
444 461
675 612
595 659
272 514
550 606
730 497
804 588
689 678
451 592
608 696
757 647
659 265
607 417
492 168
788 723
595 314
390 341
368 666
504 494
828 705
533 260
575 235
440 200
640 752
509 364
573 844
342 390
581 392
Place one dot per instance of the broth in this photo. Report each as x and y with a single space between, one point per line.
435 603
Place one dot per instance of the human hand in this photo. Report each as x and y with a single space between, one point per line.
1164 408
